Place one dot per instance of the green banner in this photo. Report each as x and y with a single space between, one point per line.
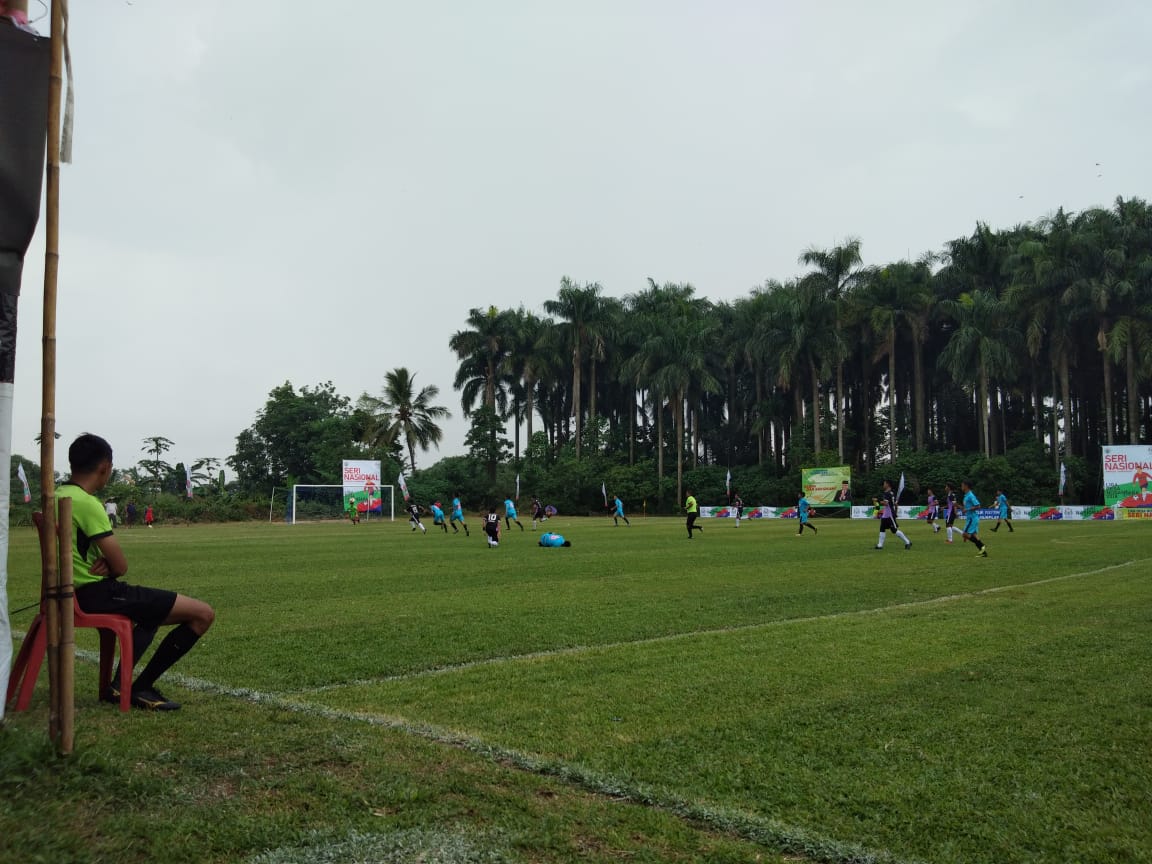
827 487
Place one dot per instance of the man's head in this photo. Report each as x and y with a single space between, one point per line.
567 542
887 485
966 485
90 454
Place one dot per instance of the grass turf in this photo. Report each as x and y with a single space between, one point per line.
811 694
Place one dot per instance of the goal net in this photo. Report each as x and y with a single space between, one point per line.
320 503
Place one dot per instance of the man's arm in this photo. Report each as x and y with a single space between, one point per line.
111 561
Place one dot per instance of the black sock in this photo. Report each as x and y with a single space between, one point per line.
979 543
141 638
175 645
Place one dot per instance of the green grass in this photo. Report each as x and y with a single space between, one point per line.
371 692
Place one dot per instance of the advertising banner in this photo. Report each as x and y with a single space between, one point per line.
362 485
1127 474
827 487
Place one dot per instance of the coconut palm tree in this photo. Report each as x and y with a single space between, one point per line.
585 318
837 272
981 348
482 350
403 412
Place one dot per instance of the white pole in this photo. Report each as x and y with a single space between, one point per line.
270 503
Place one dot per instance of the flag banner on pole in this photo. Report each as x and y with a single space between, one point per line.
604 492
900 488
403 485
1063 478
517 487
188 481
24 479
728 484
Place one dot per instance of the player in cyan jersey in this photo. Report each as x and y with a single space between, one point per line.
618 512
510 514
438 516
458 516
1003 512
972 519
803 508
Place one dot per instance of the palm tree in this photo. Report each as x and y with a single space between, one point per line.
896 297
586 318
981 348
836 274
482 350
404 412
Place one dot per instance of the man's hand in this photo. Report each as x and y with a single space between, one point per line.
100 567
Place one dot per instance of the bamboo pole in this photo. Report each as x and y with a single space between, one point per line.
67 661
60 703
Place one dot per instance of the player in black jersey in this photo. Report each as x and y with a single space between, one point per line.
414 517
492 526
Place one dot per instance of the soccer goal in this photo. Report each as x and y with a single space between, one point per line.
321 503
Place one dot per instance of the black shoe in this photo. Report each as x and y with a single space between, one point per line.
151 699
995 529
110 694
907 546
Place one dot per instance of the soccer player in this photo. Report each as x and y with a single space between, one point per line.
802 511
950 509
438 516
414 517
553 540
458 516
1003 512
932 512
149 516
972 519
510 514
492 527
887 502
738 505
618 512
693 511
352 510
538 514
98 567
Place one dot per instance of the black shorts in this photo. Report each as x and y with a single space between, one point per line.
951 520
888 525
147 606
491 530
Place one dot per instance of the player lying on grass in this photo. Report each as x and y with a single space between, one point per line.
554 540
98 565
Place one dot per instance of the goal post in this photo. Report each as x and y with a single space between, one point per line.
321 502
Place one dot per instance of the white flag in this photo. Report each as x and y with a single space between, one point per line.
517 487
900 488
1063 478
604 492
187 481
728 484
24 479
403 485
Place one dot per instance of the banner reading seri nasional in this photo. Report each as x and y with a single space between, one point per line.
827 487
1127 475
362 484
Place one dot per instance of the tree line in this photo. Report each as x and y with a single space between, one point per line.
1036 333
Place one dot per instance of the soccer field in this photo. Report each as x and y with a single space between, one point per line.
808 694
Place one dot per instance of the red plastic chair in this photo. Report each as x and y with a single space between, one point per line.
112 628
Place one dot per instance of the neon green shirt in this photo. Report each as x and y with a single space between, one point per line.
690 505
89 523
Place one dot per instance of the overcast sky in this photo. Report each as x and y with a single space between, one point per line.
262 192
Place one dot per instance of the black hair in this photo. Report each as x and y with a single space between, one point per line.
87 452
567 542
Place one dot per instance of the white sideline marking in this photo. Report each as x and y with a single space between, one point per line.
689 634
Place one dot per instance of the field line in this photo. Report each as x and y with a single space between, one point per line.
691 634
767 832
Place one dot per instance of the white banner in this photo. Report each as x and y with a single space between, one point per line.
1019 514
362 484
